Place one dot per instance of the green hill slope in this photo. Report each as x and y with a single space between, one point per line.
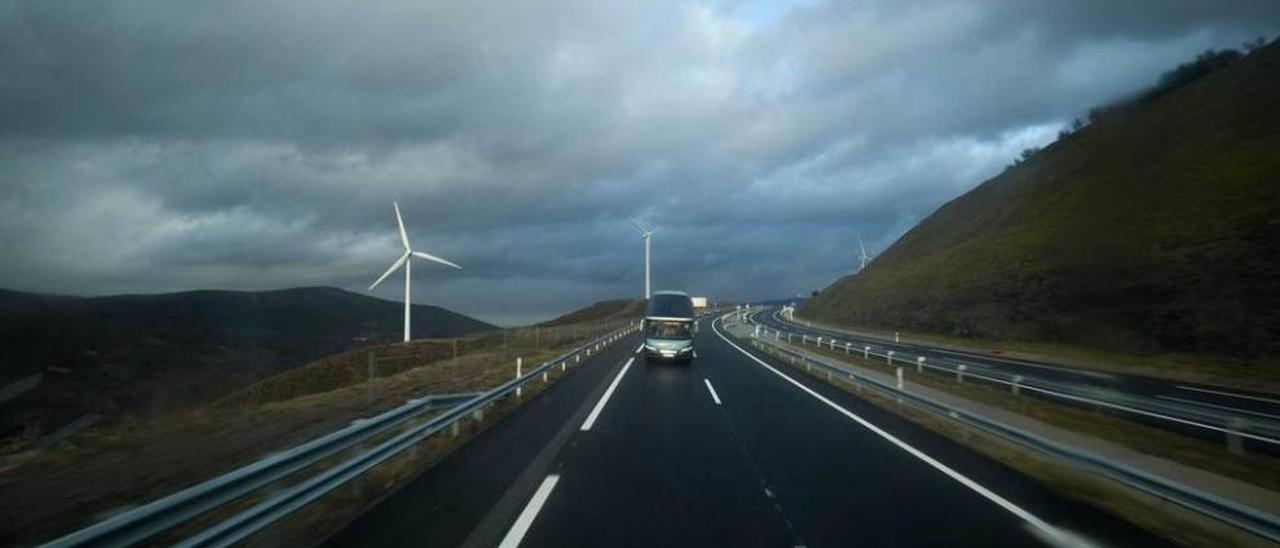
1154 229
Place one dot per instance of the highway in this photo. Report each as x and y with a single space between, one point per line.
1198 410
733 449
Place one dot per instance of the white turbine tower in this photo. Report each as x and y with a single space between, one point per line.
863 259
647 234
406 261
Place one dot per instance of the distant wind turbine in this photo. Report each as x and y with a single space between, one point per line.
863 259
647 234
405 260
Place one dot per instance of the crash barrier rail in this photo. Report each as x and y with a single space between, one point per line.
1244 517
1232 425
146 522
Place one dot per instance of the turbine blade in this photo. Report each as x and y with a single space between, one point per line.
864 248
404 238
431 257
393 268
638 227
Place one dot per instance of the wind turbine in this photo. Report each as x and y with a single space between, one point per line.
647 234
405 260
863 259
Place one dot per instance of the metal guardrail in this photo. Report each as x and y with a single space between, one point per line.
145 522
1244 517
1262 431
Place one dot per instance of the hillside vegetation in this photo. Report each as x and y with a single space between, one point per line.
135 459
1154 229
602 311
149 354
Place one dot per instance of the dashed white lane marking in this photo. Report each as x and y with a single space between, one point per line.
715 397
530 513
1043 526
639 348
591 419
1231 394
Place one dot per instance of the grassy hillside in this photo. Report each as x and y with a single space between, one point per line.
1154 229
602 311
143 354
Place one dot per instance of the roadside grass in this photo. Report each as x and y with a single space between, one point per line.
101 470
1254 468
1166 520
318 521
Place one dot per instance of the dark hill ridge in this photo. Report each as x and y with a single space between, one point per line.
143 353
601 311
1155 229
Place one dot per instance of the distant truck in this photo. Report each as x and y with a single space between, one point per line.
669 326
699 303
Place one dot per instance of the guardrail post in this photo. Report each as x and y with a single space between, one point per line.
788 338
960 373
888 357
519 366
895 337
757 333
866 352
847 346
1016 386
899 377
453 429
804 340
920 364
819 345
562 362
1235 445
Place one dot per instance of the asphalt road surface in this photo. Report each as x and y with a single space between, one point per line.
733 449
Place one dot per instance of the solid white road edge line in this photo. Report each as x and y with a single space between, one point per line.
1012 508
715 397
1199 403
1231 394
591 419
530 513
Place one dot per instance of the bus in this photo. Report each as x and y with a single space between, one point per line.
669 326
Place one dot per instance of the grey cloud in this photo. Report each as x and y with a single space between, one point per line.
150 145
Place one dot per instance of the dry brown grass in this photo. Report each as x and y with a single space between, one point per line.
103 469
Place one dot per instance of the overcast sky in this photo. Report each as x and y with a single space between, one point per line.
154 146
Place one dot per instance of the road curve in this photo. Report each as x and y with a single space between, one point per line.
732 449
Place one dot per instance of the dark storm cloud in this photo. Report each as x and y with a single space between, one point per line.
157 145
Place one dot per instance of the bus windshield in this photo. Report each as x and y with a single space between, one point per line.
671 330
